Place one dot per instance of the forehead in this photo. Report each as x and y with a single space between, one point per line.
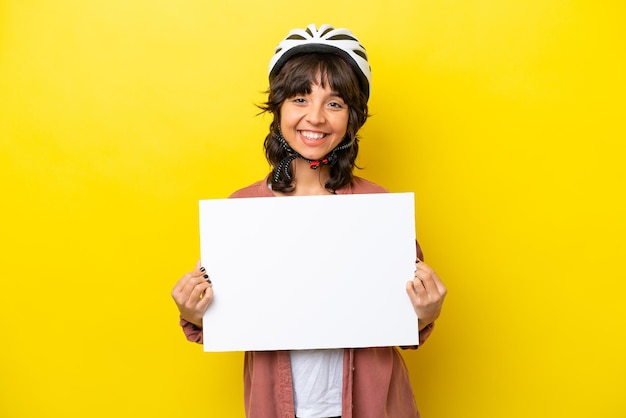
309 78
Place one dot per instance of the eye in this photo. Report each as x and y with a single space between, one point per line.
298 100
337 104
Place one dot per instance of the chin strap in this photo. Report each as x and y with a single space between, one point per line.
285 163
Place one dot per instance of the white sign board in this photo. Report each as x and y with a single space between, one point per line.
309 272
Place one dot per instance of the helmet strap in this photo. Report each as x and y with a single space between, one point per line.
330 159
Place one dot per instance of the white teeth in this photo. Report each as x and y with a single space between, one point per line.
312 135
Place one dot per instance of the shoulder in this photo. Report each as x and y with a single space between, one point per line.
360 185
258 189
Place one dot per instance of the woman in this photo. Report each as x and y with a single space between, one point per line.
319 88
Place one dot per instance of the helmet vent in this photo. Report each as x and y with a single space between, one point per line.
342 38
360 54
330 28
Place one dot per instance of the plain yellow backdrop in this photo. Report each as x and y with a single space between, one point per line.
505 118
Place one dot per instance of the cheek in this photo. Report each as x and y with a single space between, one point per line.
287 118
341 124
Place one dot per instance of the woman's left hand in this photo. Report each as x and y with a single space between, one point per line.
427 293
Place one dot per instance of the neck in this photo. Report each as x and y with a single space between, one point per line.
309 182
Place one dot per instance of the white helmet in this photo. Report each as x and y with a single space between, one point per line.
326 39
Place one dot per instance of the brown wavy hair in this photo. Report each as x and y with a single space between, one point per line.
296 77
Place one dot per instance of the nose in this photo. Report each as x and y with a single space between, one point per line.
316 115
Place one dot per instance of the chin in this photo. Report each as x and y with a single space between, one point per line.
314 157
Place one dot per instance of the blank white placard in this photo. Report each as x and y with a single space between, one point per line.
309 271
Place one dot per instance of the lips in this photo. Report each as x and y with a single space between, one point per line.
312 138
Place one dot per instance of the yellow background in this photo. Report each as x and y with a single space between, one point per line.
505 118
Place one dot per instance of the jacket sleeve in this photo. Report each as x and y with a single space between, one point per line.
192 332
425 333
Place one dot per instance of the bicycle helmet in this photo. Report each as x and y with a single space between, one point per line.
326 39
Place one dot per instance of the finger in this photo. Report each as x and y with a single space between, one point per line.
206 298
420 290
202 303
200 270
417 287
185 279
196 302
200 309
410 290
414 295
181 283
430 285
425 272
434 283
184 288
198 292
193 283
423 267
419 275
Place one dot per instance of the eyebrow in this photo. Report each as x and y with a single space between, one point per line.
336 94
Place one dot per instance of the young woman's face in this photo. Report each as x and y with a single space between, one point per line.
314 124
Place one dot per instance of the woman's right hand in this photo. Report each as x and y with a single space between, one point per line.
193 293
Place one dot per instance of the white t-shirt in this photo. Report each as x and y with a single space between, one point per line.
317 380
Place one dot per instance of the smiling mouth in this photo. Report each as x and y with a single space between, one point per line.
312 135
